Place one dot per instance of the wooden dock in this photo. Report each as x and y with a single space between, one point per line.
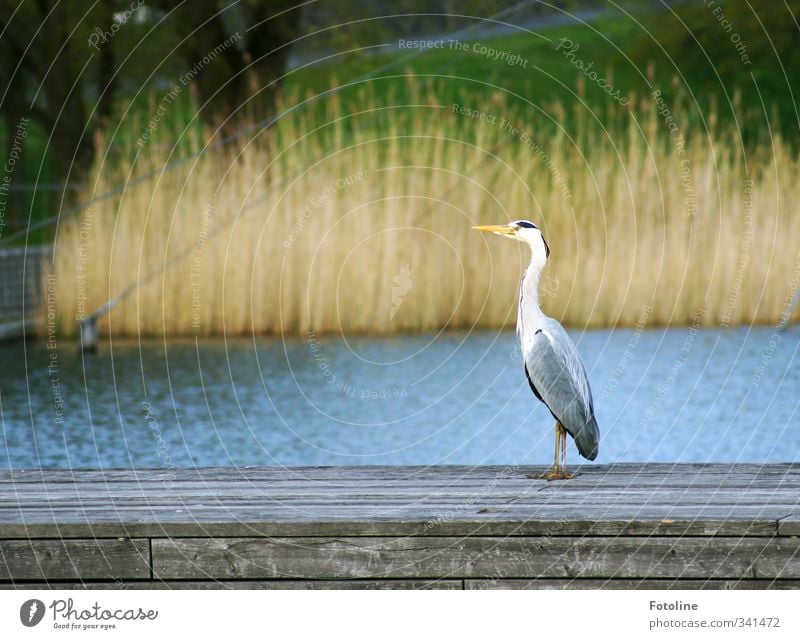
618 526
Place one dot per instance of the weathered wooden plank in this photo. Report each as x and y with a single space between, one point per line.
349 508
266 584
74 559
558 522
435 512
476 557
266 489
449 504
393 528
789 525
444 484
273 520
630 499
753 493
401 473
745 497
396 473
233 487
698 525
305 503
417 584
311 473
632 584
790 498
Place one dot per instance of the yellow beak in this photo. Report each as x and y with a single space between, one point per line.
502 229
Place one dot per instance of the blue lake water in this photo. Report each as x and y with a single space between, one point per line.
675 395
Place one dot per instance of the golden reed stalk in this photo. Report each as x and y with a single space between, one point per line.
360 222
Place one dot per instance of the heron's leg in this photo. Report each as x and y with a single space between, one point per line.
561 435
558 471
554 471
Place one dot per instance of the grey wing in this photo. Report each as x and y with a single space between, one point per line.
557 377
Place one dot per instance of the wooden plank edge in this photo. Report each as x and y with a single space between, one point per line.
241 584
404 528
632 584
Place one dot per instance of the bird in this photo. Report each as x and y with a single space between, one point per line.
553 366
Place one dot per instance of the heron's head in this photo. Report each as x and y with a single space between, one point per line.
522 231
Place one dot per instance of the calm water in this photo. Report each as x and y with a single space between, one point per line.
674 395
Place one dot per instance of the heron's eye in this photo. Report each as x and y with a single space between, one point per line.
525 224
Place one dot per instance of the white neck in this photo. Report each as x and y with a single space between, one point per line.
529 309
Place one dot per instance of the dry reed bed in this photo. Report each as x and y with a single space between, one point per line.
361 223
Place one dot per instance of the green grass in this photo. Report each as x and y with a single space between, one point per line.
548 76
625 53
549 81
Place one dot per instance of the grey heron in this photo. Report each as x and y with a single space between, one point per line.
553 365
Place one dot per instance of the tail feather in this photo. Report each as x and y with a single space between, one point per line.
587 439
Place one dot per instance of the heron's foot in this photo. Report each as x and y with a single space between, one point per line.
554 474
